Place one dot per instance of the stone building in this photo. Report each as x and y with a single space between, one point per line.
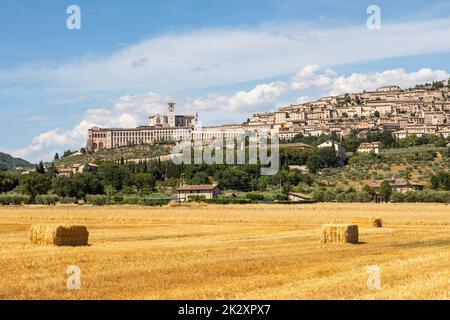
170 127
185 192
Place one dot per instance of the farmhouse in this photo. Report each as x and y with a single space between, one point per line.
397 185
209 191
402 134
78 168
369 147
298 197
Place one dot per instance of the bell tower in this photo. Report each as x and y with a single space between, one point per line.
171 114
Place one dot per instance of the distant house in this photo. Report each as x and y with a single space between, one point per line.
444 133
414 132
78 153
65 172
78 168
298 197
389 89
86 168
397 185
302 169
298 145
368 147
340 149
209 191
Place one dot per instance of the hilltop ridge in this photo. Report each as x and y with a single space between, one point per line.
8 162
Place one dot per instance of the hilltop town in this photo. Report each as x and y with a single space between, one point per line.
417 111
423 110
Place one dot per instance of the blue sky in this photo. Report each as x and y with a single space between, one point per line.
224 59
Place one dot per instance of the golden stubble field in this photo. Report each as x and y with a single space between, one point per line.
228 252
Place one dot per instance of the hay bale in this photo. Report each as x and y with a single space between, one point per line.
368 222
59 235
339 233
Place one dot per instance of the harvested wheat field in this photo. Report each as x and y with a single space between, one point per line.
228 252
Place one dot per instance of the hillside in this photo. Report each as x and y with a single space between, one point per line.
129 154
8 162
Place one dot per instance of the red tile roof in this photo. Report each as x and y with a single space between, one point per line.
204 187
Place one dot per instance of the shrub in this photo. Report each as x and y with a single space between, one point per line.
13 199
255 196
5 200
68 200
118 199
196 198
46 199
294 202
154 203
429 196
398 197
227 201
131 200
280 197
97 200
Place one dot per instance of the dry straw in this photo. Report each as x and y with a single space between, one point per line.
175 204
59 235
339 233
368 222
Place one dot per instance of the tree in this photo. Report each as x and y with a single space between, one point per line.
367 189
52 171
8 182
109 190
323 158
78 186
440 181
34 184
67 153
233 178
386 190
56 156
376 114
40 168
115 175
435 182
441 143
406 174
144 181
200 178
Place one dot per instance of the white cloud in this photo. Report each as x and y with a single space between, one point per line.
180 61
126 112
45 145
358 82
260 97
309 77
